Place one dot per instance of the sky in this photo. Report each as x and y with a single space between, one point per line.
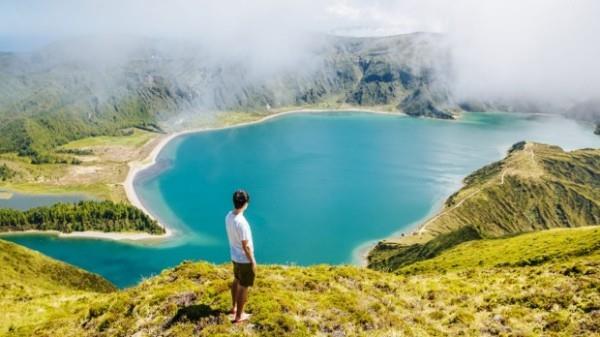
542 49
187 17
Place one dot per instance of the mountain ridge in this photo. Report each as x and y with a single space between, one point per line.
92 86
51 96
535 187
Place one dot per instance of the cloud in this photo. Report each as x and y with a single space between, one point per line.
264 33
538 49
204 18
542 50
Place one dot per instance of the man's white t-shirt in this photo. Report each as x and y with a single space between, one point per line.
238 229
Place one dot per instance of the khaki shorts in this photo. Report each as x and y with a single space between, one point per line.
243 273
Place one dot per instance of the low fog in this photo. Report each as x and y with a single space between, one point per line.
540 50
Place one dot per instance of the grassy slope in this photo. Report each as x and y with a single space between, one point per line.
137 139
99 174
527 249
33 288
535 187
504 295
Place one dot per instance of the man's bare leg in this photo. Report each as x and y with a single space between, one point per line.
242 297
234 291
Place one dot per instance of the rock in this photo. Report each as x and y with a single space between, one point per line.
421 104
184 299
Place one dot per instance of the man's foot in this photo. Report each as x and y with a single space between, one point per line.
231 312
243 318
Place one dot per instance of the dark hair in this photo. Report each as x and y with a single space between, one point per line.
240 198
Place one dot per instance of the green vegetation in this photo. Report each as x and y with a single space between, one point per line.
78 152
485 287
99 190
535 187
102 165
105 216
34 132
529 249
129 137
6 173
35 288
38 158
389 256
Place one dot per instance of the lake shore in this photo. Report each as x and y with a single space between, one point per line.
4 195
137 166
414 230
115 236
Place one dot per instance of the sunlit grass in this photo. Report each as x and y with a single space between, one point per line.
137 139
521 250
500 296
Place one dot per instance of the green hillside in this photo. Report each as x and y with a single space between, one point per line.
35 288
535 187
529 249
484 288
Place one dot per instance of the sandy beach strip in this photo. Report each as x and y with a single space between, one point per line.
116 236
5 195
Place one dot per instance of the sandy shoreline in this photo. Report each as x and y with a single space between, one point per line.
116 236
4 195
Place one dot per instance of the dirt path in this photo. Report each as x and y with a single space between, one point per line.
423 228
504 172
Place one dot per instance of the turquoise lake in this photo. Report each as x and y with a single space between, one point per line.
321 185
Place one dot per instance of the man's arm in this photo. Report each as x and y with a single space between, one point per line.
249 253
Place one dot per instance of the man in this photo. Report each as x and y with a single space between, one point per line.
241 248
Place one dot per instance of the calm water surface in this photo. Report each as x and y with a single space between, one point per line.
320 184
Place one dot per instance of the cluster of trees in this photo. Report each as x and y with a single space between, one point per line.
35 133
78 152
46 158
6 173
105 216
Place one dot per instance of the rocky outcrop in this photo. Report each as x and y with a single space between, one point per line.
422 103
